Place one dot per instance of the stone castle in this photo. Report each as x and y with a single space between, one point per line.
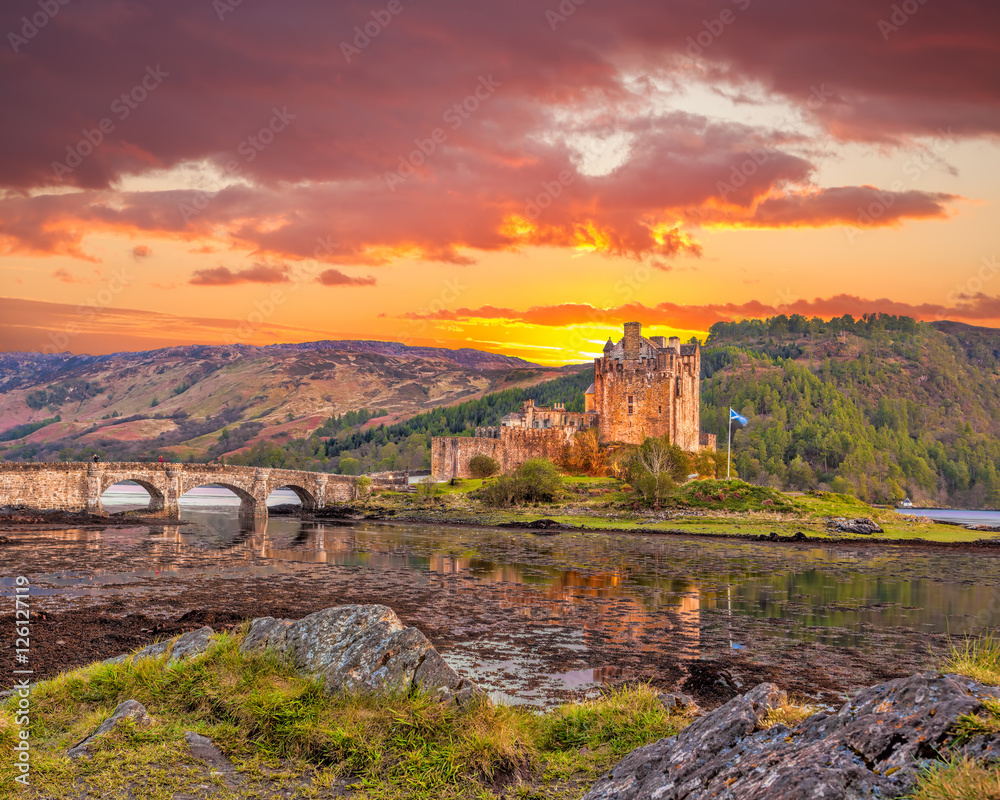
642 387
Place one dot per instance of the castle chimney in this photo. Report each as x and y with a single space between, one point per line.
633 335
675 343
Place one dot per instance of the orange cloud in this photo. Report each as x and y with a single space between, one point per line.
978 307
223 276
334 277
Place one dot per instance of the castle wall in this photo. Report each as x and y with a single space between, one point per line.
450 455
521 444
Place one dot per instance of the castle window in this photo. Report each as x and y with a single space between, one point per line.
659 409
630 404
678 387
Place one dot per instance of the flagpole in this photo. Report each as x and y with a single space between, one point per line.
729 444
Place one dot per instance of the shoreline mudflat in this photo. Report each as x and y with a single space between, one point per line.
552 526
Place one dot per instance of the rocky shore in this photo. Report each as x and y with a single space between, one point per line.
883 743
875 746
27 518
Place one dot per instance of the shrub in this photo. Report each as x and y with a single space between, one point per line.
426 489
731 495
349 466
655 467
841 485
536 480
482 466
361 488
585 455
498 493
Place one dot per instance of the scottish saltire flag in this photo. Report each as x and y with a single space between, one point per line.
738 418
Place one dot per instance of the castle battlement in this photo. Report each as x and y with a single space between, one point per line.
642 387
648 387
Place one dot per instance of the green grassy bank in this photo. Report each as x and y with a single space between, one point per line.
703 507
284 738
287 739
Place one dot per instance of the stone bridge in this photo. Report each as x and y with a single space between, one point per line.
78 486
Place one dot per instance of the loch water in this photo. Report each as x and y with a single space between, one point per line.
541 618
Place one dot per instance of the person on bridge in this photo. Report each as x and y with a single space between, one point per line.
96 458
161 459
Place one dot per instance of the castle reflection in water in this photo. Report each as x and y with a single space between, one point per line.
664 610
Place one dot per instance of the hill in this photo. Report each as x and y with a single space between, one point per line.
200 401
352 443
883 407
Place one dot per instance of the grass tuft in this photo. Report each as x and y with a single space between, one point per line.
286 738
977 658
961 779
986 722
788 714
622 720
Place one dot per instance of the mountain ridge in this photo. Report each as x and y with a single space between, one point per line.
184 400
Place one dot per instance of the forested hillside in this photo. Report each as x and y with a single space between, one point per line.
199 402
884 407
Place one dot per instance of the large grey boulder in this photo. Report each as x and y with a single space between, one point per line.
862 525
129 709
362 648
187 645
873 747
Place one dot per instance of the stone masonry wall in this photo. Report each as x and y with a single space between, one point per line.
665 392
63 489
450 455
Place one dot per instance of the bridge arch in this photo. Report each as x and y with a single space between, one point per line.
78 486
249 505
306 498
157 499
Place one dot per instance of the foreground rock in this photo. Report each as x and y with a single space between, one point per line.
874 747
862 525
360 647
187 645
130 709
204 749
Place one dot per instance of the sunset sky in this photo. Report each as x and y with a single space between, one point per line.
517 176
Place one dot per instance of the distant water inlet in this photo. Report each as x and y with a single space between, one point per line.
956 516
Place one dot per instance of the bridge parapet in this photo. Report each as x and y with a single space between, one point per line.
78 486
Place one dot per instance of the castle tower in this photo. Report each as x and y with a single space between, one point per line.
633 338
648 387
